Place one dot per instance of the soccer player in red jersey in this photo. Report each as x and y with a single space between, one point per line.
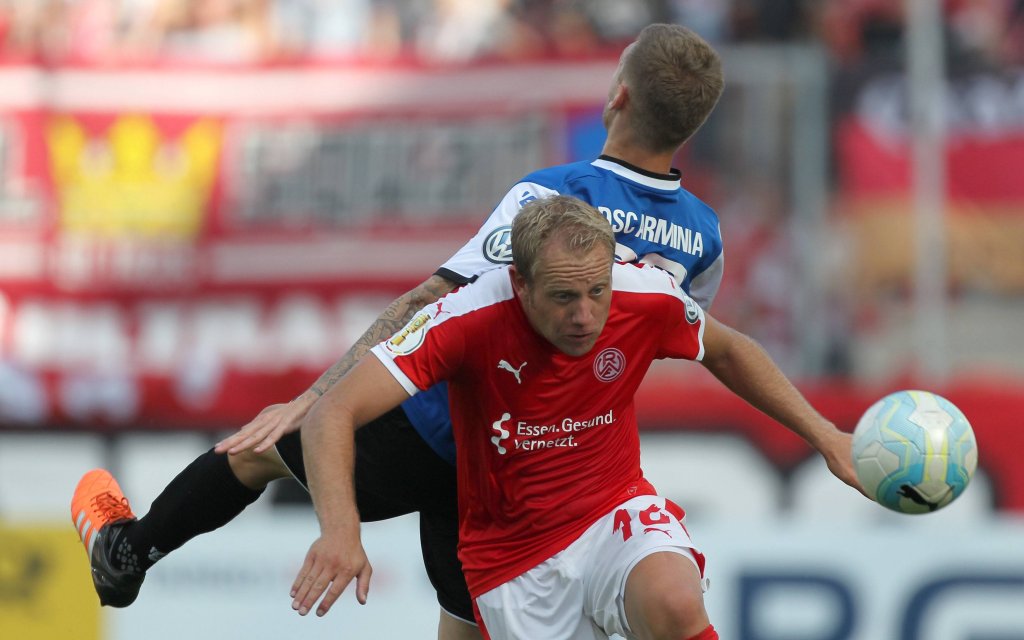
561 536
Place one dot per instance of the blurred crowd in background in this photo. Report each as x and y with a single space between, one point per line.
452 31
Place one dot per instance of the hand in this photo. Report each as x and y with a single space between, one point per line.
331 563
268 427
838 454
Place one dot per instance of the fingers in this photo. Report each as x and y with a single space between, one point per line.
302 577
315 579
363 583
264 430
308 588
236 441
258 431
330 597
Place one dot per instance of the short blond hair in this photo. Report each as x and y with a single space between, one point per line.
577 224
674 79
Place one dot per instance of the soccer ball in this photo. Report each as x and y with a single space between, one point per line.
914 452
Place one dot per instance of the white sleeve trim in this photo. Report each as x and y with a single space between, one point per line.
394 370
700 335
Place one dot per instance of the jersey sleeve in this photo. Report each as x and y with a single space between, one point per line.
424 352
491 246
704 286
684 330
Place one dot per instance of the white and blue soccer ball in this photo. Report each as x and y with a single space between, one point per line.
914 452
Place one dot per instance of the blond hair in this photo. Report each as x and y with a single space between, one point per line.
579 226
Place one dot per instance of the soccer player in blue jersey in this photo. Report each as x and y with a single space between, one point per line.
667 83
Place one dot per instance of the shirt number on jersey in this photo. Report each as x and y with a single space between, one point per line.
648 519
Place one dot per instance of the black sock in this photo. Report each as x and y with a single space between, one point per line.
206 495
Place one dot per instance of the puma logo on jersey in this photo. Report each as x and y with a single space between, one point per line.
439 311
502 432
502 364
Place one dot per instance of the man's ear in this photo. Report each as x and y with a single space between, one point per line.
518 281
620 97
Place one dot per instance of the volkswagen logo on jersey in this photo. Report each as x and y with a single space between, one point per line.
692 312
609 364
498 245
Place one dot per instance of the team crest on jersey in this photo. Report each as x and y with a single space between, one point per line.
498 245
609 364
411 336
692 312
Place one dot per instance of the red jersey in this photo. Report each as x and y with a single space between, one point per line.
546 442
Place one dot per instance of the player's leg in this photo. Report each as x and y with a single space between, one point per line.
451 628
439 540
207 494
664 599
644 578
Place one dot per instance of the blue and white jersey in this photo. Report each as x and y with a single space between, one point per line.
655 220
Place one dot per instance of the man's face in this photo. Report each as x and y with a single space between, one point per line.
567 303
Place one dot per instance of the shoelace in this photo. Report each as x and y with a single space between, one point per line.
111 508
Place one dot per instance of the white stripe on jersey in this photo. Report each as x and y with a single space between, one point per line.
702 288
677 270
644 278
399 375
491 288
629 174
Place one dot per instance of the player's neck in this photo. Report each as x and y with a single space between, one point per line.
646 160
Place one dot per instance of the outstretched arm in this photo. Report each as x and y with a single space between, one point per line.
328 445
744 367
278 419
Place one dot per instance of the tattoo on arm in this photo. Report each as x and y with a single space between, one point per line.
394 318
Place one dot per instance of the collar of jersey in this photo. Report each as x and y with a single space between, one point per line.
666 182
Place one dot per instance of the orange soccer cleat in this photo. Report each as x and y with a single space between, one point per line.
100 512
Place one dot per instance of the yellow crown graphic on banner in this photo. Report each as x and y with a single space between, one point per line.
134 181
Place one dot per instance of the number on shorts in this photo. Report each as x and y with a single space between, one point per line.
650 516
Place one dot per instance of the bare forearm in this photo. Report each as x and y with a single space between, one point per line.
388 323
328 439
746 369
743 366
328 454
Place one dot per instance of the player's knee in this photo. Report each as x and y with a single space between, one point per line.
256 470
674 613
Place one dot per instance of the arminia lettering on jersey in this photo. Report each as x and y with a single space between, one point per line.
657 230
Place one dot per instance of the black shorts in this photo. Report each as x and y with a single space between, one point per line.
398 473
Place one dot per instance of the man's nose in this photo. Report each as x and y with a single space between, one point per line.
583 313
